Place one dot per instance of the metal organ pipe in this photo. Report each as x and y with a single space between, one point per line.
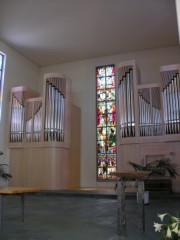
126 105
54 110
34 118
29 121
150 98
177 91
16 120
156 111
37 121
144 103
132 104
171 101
150 111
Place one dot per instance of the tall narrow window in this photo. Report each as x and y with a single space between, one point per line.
106 122
2 67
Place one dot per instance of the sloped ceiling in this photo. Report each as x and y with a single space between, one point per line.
57 31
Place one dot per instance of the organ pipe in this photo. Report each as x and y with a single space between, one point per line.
17 118
36 119
150 120
54 109
140 105
126 101
171 98
33 120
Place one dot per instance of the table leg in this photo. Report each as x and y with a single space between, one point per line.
121 208
22 207
141 206
1 209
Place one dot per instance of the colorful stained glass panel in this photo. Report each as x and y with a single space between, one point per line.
101 133
101 71
101 120
101 83
101 108
110 94
111 160
106 122
101 147
109 70
110 82
111 107
101 95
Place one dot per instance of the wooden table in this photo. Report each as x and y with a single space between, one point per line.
15 191
124 179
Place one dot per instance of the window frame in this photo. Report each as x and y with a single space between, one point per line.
2 74
107 156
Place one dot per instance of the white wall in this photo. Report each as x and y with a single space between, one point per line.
19 71
82 74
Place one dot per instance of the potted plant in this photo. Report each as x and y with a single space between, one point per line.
170 228
157 167
4 175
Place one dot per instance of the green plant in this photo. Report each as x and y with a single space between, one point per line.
157 167
170 229
3 173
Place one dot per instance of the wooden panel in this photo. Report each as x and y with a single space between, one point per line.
17 190
56 168
16 167
74 178
33 168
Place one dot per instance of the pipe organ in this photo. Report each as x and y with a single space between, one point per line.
148 110
17 112
33 120
148 116
55 93
27 122
128 76
41 135
171 98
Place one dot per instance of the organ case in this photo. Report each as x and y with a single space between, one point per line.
149 118
148 110
43 152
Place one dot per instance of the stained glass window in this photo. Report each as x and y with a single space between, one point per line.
106 122
2 66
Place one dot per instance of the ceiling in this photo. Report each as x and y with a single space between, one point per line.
57 31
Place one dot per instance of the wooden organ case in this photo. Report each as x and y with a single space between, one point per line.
149 117
44 136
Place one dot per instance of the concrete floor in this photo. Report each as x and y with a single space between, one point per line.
68 216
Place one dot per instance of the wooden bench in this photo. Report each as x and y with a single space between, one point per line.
15 191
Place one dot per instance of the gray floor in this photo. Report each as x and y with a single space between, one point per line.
75 217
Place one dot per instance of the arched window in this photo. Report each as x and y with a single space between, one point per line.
2 68
106 122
